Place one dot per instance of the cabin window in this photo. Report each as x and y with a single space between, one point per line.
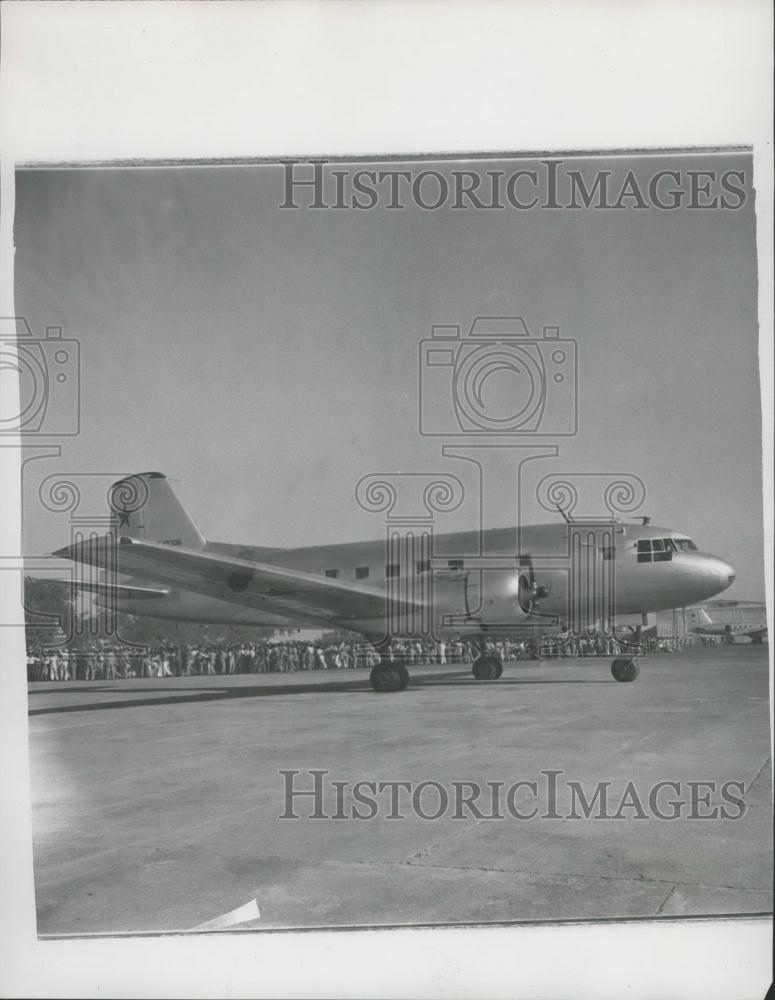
422 566
333 573
392 569
361 572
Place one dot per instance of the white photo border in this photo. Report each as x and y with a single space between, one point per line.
157 82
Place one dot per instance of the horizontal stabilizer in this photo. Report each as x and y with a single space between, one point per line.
122 591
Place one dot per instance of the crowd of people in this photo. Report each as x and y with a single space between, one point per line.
104 660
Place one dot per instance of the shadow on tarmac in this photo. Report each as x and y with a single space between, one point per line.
361 685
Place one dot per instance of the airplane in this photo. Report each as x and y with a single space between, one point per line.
546 578
728 619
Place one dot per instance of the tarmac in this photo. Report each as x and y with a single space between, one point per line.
157 803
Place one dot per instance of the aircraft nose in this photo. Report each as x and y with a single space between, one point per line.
724 573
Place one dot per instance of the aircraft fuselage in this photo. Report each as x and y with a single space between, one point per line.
550 576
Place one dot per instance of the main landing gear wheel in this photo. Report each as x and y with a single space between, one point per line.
486 668
625 670
389 677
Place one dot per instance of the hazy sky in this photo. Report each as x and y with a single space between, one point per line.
266 360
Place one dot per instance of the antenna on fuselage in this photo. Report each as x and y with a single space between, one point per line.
645 519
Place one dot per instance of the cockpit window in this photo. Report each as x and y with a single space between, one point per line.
655 549
685 545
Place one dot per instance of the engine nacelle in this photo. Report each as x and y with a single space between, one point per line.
501 597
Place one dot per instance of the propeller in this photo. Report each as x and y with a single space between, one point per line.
534 590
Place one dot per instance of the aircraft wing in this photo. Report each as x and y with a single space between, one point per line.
262 586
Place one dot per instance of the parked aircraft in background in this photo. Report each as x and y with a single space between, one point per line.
729 619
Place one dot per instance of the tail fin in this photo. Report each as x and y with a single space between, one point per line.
143 506
699 617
